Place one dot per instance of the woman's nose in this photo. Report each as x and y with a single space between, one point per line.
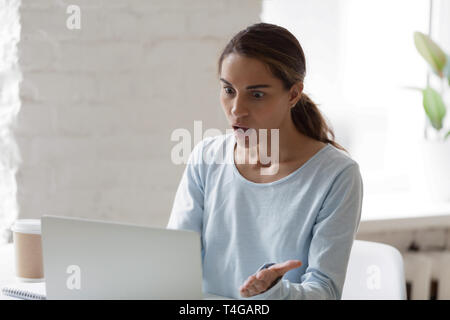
238 110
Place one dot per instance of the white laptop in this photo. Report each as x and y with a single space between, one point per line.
87 259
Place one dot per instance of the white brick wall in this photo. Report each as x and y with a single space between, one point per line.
9 106
99 104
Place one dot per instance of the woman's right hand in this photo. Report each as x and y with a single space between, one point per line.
264 279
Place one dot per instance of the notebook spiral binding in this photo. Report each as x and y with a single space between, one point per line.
18 293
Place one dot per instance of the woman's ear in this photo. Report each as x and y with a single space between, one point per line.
295 93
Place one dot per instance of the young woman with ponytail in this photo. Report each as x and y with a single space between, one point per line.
298 223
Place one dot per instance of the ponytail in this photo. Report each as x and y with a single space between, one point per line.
309 121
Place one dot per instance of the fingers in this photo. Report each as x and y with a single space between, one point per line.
246 289
282 268
258 283
267 276
263 279
253 286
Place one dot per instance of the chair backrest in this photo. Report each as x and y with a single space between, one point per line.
375 271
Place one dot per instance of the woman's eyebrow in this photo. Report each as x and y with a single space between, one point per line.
249 87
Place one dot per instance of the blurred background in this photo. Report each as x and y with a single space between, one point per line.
91 91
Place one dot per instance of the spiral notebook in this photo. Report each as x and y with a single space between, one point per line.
27 291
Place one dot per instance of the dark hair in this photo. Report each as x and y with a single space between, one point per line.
282 53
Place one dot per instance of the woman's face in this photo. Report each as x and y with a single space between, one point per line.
252 97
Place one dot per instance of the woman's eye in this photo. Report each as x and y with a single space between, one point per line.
255 94
258 95
228 90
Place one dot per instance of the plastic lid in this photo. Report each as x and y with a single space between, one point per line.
27 226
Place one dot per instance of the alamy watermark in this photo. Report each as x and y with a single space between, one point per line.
373 280
73 281
257 144
74 19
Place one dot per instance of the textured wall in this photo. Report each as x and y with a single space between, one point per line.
99 103
9 106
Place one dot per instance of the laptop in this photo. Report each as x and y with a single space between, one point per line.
89 259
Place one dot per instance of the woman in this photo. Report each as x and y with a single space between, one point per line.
299 217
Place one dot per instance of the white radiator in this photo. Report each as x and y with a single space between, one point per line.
427 274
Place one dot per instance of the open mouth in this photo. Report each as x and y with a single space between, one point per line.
242 128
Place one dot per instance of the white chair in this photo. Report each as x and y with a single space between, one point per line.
375 272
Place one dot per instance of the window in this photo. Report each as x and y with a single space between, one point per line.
360 58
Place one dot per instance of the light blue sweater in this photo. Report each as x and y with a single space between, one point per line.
311 215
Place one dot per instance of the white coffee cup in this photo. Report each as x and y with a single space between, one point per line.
28 250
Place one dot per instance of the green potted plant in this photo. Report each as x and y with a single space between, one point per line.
435 149
433 102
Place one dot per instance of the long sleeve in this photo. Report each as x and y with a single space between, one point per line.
187 210
333 235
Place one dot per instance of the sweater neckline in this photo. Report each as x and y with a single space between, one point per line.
265 184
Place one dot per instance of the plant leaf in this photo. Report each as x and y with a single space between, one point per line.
431 52
447 135
446 69
434 107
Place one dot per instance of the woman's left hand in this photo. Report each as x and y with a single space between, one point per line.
263 279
